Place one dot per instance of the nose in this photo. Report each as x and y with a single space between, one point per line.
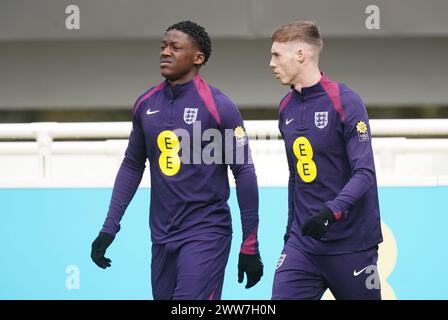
165 52
271 63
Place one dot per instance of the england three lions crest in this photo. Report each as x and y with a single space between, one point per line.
190 115
321 119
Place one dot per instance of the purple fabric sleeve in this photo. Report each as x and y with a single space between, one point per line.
359 152
291 167
128 178
244 173
291 184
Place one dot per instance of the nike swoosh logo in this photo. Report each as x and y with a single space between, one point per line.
288 121
151 112
357 273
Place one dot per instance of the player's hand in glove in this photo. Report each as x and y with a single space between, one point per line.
318 225
252 265
99 246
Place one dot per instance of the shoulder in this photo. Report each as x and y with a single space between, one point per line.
344 99
354 108
284 102
352 102
348 95
223 101
227 111
210 94
146 95
214 100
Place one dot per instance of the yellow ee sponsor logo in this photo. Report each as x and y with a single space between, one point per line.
306 167
169 160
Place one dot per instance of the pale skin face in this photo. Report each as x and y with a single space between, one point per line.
295 63
285 61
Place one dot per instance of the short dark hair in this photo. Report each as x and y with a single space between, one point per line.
306 31
197 33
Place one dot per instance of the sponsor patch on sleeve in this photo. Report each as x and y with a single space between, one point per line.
363 133
240 136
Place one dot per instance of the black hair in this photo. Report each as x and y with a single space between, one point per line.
197 33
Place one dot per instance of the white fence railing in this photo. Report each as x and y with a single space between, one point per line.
32 156
48 131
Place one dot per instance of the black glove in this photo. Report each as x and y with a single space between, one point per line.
253 266
318 225
99 246
285 238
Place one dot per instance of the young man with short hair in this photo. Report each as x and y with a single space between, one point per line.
189 216
333 228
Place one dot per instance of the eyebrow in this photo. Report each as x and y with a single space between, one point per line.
172 42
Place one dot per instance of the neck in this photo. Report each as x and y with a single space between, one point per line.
307 78
184 78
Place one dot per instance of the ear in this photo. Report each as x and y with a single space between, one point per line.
301 55
199 58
